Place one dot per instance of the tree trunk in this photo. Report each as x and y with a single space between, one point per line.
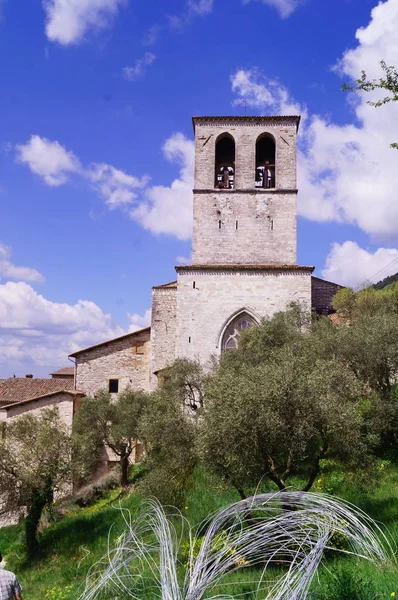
124 463
39 500
315 467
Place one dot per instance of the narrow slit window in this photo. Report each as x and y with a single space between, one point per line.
194 285
113 386
189 339
236 224
219 224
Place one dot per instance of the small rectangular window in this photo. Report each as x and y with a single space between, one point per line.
189 339
272 225
113 386
236 224
219 224
194 285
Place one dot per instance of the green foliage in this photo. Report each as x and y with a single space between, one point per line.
388 82
71 546
282 415
369 302
58 593
387 282
34 464
113 422
170 430
92 492
219 543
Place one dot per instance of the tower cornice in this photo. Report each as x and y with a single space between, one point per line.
248 121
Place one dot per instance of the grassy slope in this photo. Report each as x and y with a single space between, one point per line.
72 545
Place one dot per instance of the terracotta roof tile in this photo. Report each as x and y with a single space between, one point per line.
16 389
68 392
64 371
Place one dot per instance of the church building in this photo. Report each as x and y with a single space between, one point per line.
244 259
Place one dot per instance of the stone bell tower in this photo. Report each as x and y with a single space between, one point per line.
244 262
245 190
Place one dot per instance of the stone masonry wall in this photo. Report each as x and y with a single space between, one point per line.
208 299
64 402
127 360
266 232
163 328
244 228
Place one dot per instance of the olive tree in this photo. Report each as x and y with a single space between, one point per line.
35 456
170 430
111 422
283 415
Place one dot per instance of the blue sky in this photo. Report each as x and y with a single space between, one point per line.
96 149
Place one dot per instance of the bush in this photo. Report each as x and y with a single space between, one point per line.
89 494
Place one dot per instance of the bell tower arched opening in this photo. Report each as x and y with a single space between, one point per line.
265 161
225 162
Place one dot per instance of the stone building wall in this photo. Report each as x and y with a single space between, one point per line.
163 328
64 401
126 359
207 299
266 229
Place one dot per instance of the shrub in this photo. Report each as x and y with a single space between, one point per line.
89 494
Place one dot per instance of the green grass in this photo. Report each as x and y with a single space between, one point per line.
70 546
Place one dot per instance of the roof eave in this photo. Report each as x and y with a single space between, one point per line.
107 342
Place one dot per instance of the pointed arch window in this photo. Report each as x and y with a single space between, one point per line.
225 162
231 335
265 161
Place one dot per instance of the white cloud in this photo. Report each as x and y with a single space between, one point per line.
254 89
137 321
159 209
348 264
347 173
152 35
140 65
48 159
200 7
169 209
284 7
45 332
184 260
68 21
115 186
9 271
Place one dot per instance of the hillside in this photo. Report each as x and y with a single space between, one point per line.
386 282
69 547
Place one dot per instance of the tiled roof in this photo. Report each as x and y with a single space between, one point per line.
64 371
69 392
16 389
107 342
171 284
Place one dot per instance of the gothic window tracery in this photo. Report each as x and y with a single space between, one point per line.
265 161
225 162
231 335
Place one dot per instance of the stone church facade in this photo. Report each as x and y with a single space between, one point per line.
244 260
244 268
